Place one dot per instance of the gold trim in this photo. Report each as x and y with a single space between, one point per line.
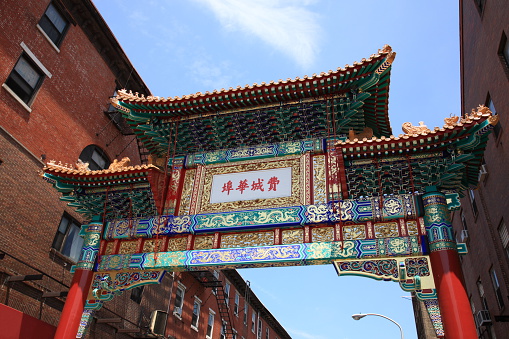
204 205
187 191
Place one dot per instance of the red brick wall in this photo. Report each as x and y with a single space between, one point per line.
68 110
66 115
483 72
181 327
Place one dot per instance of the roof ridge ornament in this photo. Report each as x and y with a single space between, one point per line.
117 165
408 128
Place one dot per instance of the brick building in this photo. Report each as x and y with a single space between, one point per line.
218 304
482 221
59 64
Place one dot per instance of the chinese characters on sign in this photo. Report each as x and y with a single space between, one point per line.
251 185
256 185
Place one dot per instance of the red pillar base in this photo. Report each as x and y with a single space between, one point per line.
74 305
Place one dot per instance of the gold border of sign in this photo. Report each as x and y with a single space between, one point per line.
298 179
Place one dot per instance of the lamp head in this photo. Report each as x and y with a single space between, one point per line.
358 316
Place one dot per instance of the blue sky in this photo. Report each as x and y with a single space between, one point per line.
184 47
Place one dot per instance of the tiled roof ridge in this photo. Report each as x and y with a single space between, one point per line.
124 95
69 169
481 113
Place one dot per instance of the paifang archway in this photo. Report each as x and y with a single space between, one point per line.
295 172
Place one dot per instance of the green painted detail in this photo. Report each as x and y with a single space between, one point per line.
453 201
288 215
255 152
462 248
224 121
261 256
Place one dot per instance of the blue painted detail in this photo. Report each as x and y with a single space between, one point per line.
137 261
357 211
424 244
246 255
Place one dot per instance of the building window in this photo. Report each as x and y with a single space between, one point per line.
223 330
216 275
54 24
259 335
236 306
480 289
253 322
496 287
210 324
472 202
267 333
179 300
25 79
67 240
95 157
227 293
503 51
497 129
480 4
196 313
504 236
464 221
246 309
136 294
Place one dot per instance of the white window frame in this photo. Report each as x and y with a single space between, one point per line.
216 275
177 309
42 71
197 301
236 304
253 322
227 288
222 334
246 311
212 315
260 328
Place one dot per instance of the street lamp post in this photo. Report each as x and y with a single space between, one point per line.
362 315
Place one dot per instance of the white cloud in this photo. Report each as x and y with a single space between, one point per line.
210 74
303 334
286 25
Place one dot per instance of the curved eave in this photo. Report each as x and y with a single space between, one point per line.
467 139
74 178
323 84
364 86
437 139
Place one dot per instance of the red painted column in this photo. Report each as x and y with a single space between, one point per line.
454 305
81 282
74 305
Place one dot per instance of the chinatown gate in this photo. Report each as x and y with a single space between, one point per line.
302 171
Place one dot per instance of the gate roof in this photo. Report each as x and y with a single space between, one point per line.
316 106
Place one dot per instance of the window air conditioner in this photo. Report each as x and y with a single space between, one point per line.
483 318
483 173
158 322
464 235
